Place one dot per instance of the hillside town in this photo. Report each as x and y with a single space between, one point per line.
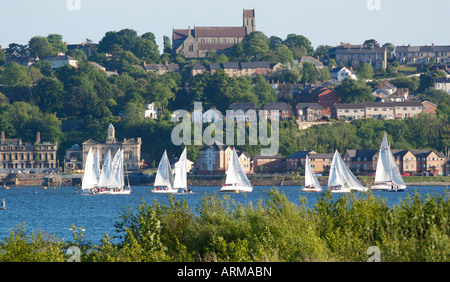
307 87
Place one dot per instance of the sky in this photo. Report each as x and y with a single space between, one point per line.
323 22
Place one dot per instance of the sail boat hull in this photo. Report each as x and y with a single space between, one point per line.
164 190
387 187
237 188
311 189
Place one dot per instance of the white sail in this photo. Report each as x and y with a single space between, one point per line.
180 180
310 176
334 179
387 170
164 175
106 171
89 178
383 171
116 179
235 174
96 167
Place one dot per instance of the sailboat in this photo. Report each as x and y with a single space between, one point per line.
180 180
3 206
91 173
164 177
236 180
387 175
311 182
341 179
111 177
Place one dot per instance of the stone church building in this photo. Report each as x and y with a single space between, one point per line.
197 42
131 149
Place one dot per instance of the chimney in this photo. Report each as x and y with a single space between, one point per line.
38 137
432 44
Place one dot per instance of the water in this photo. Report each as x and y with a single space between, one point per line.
55 210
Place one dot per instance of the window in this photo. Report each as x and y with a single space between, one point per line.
191 47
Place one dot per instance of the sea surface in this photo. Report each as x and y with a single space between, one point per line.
54 210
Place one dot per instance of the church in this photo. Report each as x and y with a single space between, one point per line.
198 41
131 149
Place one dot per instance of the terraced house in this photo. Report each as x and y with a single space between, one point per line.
422 54
377 110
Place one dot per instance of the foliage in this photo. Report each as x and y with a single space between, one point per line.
276 230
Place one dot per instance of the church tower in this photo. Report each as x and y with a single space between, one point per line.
249 21
111 138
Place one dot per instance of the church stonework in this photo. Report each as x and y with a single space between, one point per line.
197 42
131 149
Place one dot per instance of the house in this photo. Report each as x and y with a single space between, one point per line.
73 159
131 149
422 54
16 155
268 164
442 84
284 111
320 162
237 69
347 55
321 95
242 111
161 68
406 161
61 60
213 159
429 108
151 111
23 61
308 112
383 89
364 161
199 41
377 110
341 73
429 162
348 111
314 61
297 160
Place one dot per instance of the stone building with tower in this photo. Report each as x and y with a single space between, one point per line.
131 149
16 155
198 41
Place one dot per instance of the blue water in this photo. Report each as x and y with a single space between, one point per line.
55 210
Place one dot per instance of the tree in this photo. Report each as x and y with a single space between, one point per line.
365 71
254 45
16 75
309 73
161 94
283 53
2 57
263 91
49 95
354 91
297 43
369 42
39 46
167 45
57 43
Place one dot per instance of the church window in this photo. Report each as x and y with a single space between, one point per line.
191 47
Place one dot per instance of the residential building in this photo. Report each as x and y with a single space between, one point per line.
161 68
237 69
131 149
384 88
242 111
297 160
347 55
341 73
315 61
268 164
422 54
212 115
442 84
23 61
429 162
214 159
378 110
61 60
428 107
321 95
308 112
73 159
199 41
406 161
151 111
320 162
16 155
363 161
284 111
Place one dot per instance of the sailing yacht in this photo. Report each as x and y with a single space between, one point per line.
180 180
110 180
341 179
387 175
164 179
311 182
236 180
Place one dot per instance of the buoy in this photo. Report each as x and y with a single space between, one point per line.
236 191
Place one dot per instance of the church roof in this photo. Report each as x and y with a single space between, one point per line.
238 31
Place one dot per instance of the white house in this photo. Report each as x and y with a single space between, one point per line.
342 73
151 111
442 84
61 60
383 89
